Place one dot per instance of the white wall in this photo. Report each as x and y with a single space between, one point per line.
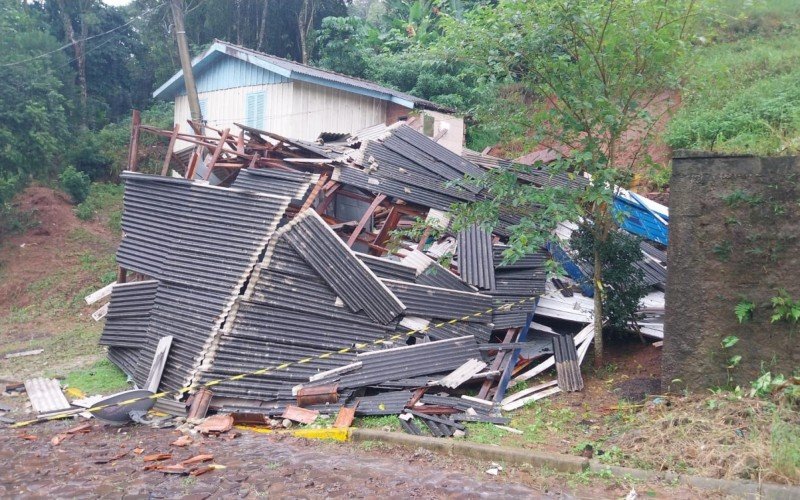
448 128
226 107
323 109
297 109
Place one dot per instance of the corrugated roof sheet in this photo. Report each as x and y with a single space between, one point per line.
408 361
431 302
192 316
129 314
387 268
475 257
126 358
352 280
385 403
379 185
198 235
202 243
431 273
294 185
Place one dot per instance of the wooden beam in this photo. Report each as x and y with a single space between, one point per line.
133 151
498 361
193 164
392 219
365 218
314 192
329 196
217 152
170 148
122 275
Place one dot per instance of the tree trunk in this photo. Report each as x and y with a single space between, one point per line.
238 24
80 54
305 21
262 28
597 278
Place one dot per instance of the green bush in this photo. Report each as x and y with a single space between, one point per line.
76 184
104 198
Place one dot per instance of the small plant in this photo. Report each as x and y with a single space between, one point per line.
744 310
785 308
730 341
722 251
733 361
76 184
739 197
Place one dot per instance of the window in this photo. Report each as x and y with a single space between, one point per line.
255 107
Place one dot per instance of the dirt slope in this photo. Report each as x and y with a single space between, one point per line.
46 271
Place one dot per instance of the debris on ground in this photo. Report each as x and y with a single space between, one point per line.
267 274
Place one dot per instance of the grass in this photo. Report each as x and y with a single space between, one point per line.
785 445
390 421
63 353
743 92
104 202
102 377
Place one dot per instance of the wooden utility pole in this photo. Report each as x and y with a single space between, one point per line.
178 9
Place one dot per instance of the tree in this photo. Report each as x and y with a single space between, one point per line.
78 41
33 107
588 71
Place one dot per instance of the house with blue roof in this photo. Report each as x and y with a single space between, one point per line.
239 85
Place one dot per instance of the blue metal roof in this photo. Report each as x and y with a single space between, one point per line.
641 221
215 69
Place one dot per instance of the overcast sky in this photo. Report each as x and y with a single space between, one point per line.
117 3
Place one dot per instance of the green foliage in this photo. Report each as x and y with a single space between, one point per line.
764 385
785 308
343 45
102 198
730 341
739 197
743 92
76 184
744 310
33 105
622 282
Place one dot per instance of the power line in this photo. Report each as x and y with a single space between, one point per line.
85 39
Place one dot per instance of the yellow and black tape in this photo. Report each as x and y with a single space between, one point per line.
283 366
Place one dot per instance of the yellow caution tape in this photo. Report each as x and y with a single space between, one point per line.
283 366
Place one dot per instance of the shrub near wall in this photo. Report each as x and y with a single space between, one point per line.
734 249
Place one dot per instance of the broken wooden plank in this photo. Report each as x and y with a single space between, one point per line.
462 374
100 313
99 294
157 366
527 392
535 397
21 354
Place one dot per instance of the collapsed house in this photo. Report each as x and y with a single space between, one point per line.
283 285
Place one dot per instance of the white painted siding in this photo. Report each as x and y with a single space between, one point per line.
323 109
229 106
303 110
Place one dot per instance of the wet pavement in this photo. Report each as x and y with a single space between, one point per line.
109 462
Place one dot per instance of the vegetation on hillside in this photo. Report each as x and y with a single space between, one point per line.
742 94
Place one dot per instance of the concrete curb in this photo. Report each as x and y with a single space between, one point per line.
573 464
743 489
507 455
